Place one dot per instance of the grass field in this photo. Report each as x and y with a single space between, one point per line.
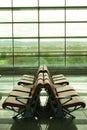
50 53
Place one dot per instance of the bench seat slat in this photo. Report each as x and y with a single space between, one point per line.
62 81
26 82
63 89
12 102
68 93
76 101
23 89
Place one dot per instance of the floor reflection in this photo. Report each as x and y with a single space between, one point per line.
61 124
26 124
48 124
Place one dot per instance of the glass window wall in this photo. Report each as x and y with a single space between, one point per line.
51 32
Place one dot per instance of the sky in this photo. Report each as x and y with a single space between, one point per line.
44 2
72 29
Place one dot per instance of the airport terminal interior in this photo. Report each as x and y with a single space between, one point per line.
43 49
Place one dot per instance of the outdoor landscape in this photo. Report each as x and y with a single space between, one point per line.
51 53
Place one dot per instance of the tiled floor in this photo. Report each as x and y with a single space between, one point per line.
7 83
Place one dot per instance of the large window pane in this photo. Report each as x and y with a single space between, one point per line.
5 45
5 16
51 2
76 29
76 2
76 52
25 30
78 45
76 15
52 15
5 30
25 16
52 45
26 45
52 60
6 58
25 61
24 3
5 3
25 52
76 60
52 29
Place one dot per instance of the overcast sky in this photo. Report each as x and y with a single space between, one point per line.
72 29
43 2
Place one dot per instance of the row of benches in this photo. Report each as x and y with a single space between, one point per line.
56 79
61 97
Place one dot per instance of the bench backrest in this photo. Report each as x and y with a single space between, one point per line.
48 85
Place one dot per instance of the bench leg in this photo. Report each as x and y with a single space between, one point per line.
57 110
68 114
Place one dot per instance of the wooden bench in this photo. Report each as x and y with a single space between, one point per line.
63 100
30 79
57 79
24 100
